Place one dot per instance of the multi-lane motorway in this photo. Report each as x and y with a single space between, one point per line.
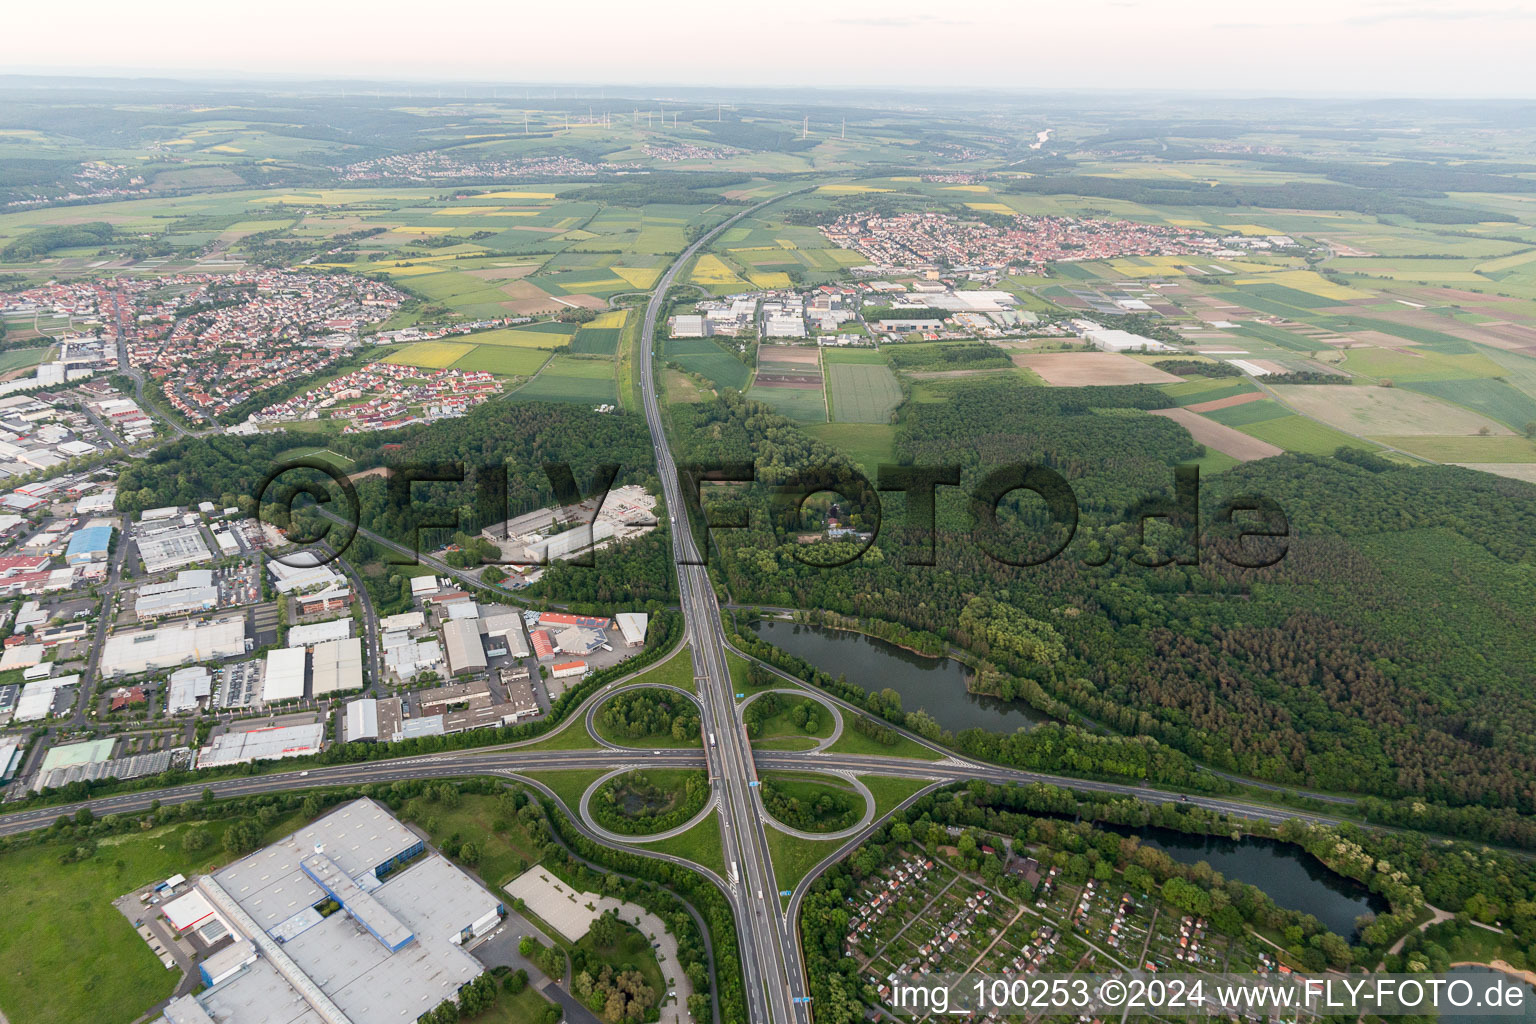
770 954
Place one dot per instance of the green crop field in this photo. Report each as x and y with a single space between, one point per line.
1299 434
796 403
863 392
599 341
709 360
1418 365
1493 398
21 358
1248 412
572 379
503 359
1499 448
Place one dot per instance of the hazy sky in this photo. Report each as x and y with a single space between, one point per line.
1409 48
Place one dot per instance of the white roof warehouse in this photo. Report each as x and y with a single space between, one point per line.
393 951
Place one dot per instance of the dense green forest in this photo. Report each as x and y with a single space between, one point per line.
1386 653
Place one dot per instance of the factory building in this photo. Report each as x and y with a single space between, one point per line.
632 627
285 674
393 951
170 646
188 688
171 547
338 666
273 744
319 632
465 652
191 591
89 545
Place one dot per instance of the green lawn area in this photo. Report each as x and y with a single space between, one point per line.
568 785
890 791
675 671
779 732
794 857
527 1007
868 444
854 742
573 737
700 844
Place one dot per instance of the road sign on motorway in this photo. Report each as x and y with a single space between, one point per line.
753 783
786 892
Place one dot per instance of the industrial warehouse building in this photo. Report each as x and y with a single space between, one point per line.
391 953
319 632
632 627
89 545
562 545
188 688
338 666
191 591
128 654
285 674
270 744
465 652
171 548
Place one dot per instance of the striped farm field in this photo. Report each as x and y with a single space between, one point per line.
433 355
862 392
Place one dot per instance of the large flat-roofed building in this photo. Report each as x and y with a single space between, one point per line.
476 694
191 591
362 720
271 744
128 654
89 545
189 687
338 666
577 538
301 577
319 632
465 652
171 548
391 953
632 627
285 674
507 627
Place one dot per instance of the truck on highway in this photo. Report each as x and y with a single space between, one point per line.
711 739
735 874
